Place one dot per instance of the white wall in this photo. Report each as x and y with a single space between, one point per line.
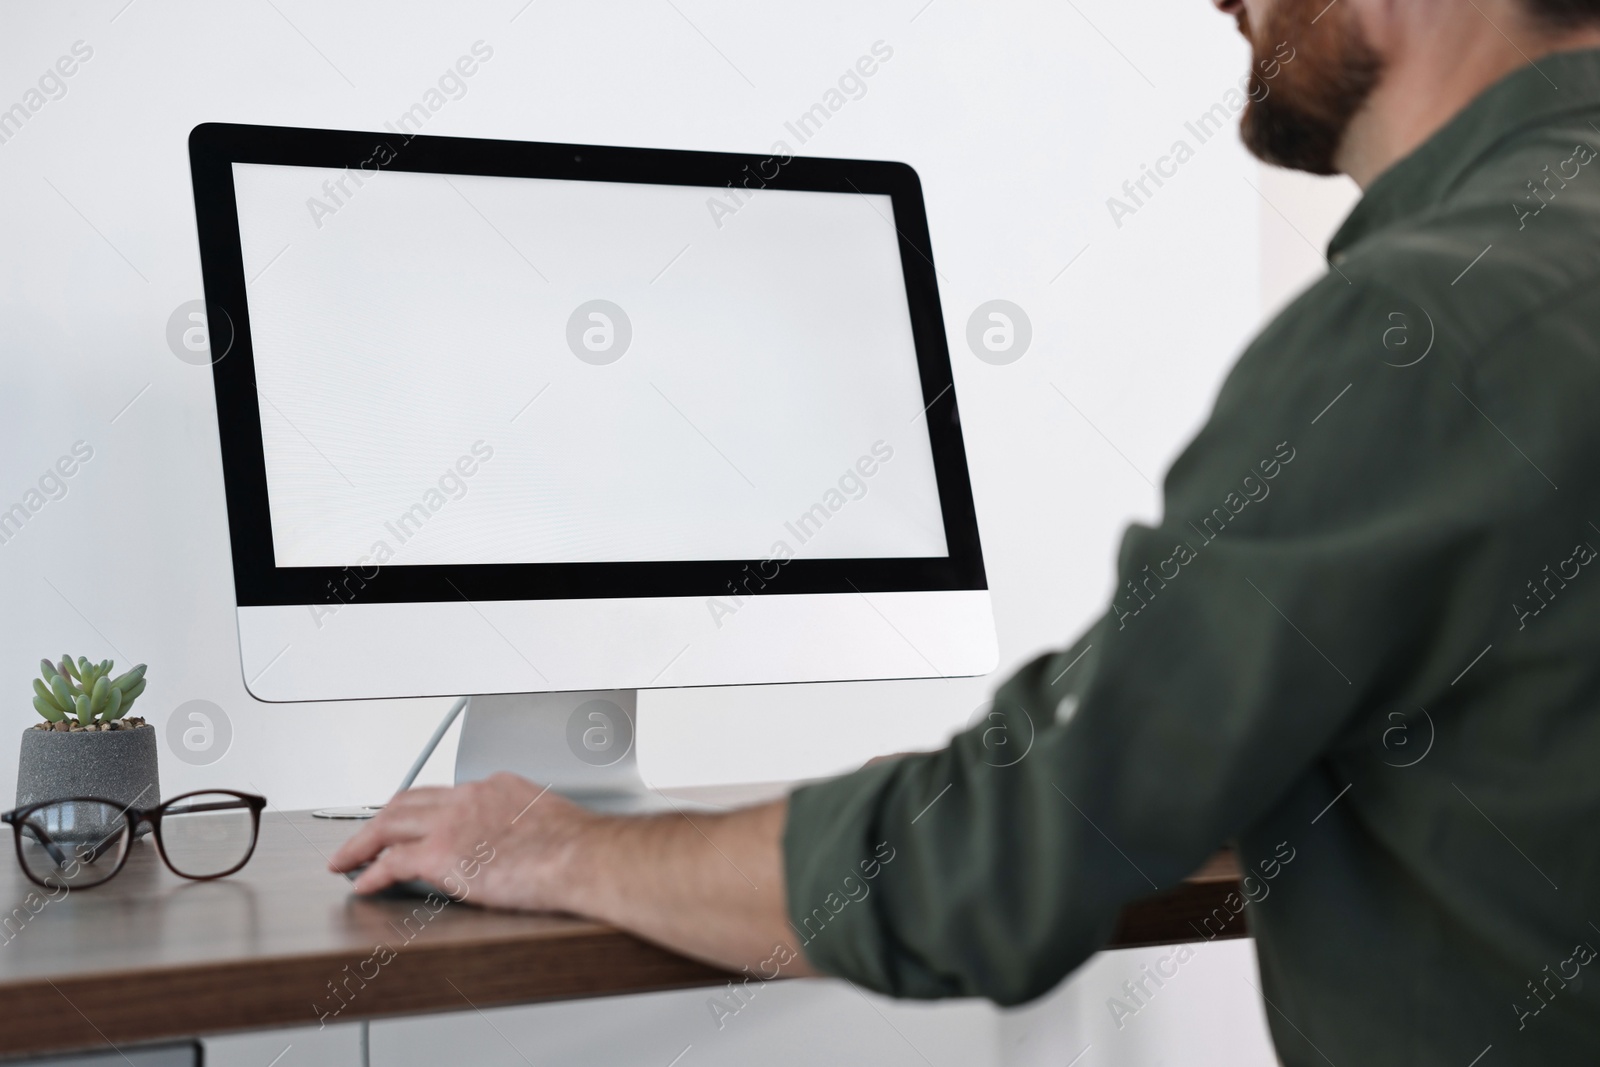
1022 117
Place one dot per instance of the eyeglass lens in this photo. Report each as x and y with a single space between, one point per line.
74 843
207 834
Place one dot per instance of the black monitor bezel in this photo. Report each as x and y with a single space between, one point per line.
258 581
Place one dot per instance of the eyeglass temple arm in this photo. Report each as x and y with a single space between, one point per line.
44 839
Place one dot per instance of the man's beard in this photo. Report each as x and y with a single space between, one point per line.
1297 119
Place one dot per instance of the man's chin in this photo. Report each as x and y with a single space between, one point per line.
1310 97
1279 136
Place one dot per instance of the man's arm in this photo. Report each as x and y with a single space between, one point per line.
708 886
1297 581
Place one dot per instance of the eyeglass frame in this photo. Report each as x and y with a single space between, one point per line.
135 818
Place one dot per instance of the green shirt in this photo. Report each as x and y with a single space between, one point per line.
1363 644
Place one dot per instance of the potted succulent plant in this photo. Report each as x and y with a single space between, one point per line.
88 745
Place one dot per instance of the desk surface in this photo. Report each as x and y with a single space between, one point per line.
150 956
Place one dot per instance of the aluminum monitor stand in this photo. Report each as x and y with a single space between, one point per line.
580 744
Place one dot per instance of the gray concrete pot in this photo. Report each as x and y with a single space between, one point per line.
117 765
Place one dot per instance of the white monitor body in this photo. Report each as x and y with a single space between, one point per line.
365 651
688 450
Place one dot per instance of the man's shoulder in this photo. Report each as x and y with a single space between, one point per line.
1518 237
1461 285
1469 282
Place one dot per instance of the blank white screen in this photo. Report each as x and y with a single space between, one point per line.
402 322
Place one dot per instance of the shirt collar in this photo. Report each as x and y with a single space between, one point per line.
1557 84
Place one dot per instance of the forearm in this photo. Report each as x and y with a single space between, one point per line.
708 886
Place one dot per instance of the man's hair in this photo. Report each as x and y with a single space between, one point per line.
1564 14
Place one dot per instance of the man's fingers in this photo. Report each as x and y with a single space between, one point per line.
397 864
397 821
362 846
391 826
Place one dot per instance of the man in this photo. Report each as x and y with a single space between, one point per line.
1363 644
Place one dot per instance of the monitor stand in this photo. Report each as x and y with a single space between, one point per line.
580 744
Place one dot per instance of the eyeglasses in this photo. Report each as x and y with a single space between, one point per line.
83 841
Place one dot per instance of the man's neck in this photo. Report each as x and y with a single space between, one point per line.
1419 93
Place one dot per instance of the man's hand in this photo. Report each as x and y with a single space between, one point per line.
502 842
709 886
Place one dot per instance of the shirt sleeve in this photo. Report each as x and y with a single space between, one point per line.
1312 534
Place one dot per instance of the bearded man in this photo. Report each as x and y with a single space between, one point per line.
1362 645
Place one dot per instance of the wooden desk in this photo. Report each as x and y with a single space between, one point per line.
149 956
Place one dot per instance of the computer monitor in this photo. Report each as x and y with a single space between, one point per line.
508 418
